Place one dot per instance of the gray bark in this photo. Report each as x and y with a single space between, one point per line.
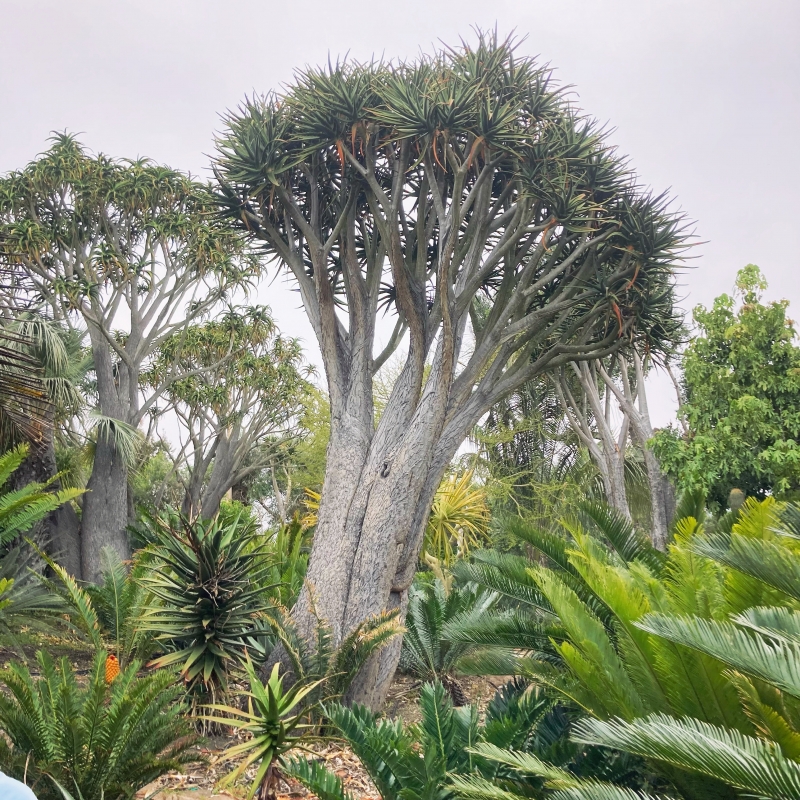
633 404
105 507
105 510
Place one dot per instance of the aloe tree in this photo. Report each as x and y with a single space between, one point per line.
129 252
239 402
431 190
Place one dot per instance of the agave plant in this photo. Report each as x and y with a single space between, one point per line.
426 653
97 741
207 578
274 723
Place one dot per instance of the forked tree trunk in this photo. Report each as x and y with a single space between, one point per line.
379 486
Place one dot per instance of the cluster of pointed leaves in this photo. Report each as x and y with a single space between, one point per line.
387 155
688 659
318 659
98 741
206 579
426 652
274 722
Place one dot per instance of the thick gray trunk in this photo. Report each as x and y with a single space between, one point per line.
59 532
105 509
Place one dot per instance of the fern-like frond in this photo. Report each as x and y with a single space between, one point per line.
749 764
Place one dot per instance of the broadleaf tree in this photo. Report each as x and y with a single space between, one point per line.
741 409
432 190
131 252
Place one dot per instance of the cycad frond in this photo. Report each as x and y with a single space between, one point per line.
770 659
321 782
749 764
767 561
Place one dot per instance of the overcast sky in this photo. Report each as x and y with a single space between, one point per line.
704 95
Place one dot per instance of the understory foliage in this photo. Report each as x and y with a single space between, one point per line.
207 581
687 659
98 741
417 762
319 660
426 653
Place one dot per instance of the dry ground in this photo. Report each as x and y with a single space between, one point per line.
199 782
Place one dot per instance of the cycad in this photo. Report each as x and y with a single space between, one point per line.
98 741
426 653
20 509
418 762
750 659
319 660
108 615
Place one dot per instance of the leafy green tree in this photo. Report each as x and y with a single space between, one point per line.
239 402
741 379
104 244
427 189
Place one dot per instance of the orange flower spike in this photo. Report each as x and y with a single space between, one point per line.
112 668
618 315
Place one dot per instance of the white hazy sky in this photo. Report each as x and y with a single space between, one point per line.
704 95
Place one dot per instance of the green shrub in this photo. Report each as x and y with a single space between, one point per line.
99 741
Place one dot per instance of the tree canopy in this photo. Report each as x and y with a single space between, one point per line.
742 399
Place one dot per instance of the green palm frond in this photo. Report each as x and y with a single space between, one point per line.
749 764
321 782
768 561
98 739
771 659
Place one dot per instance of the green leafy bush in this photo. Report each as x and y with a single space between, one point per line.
109 614
99 741
689 661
